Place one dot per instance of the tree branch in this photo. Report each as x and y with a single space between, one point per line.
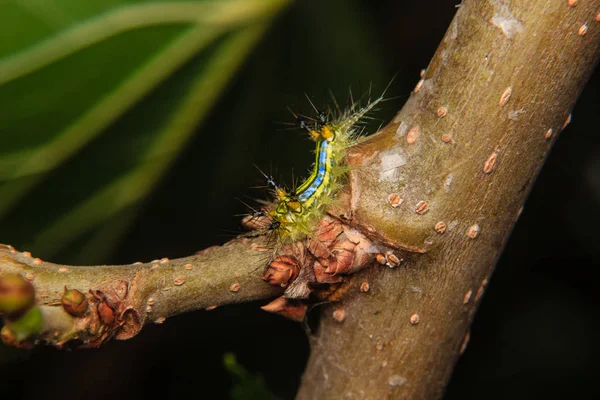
439 188
446 181
122 298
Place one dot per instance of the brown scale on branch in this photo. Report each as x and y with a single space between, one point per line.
319 266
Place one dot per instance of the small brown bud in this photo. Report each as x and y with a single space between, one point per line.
188 267
106 313
446 138
285 308
381 259
321 275
74 302
441 112
582 30
327 232
234 287
572 3
282 271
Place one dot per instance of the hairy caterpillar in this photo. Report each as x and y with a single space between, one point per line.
294 214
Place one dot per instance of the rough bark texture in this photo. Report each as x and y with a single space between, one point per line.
442 186
462 155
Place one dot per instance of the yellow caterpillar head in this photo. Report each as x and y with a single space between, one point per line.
325 132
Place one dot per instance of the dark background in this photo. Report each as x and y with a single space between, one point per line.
536 333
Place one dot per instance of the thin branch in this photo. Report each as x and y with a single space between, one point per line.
123 298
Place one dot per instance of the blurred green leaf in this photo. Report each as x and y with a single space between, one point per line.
246 386
28 324
98 98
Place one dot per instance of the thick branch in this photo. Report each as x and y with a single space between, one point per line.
444 183
122 298
462 154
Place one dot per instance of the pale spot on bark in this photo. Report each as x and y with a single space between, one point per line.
396 380
390 161
505 20
401 131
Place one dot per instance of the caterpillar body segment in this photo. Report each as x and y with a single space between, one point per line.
295 213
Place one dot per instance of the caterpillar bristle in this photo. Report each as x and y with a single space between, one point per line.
294 213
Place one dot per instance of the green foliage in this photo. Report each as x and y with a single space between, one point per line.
246 386
98 98
90 126
29 324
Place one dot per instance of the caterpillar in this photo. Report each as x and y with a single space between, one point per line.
294 214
